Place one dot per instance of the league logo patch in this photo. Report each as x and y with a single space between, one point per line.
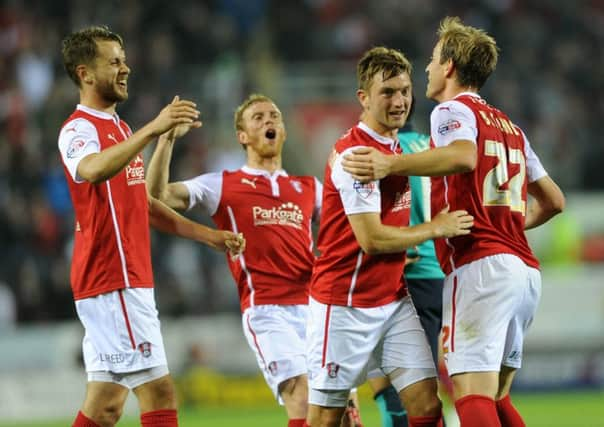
75 146
364 190
448 126
145 348
332 369
272 368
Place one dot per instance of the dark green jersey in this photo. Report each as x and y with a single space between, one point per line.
427 267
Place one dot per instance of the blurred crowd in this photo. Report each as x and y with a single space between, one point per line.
549 81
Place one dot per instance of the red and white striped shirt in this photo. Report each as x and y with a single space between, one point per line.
111 246
343 273
274 212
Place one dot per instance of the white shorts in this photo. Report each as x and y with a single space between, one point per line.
345 343
488 306
277 336
122 332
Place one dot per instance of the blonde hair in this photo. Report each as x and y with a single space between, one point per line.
251 100
389 62
472 50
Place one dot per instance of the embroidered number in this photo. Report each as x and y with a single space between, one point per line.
493 191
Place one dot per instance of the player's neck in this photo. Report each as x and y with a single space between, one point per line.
93 100
452 91
379 128
269 164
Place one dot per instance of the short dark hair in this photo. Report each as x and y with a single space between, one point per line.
389 62
81 48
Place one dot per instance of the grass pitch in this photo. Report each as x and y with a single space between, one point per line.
576 409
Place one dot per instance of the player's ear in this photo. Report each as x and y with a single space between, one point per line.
363 98
84 74
242 137
449 68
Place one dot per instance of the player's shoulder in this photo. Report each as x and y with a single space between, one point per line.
453 107
451 115
351 138
77 124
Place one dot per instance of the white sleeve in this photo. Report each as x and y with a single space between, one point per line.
205 190
78 138
318 200
534 168
452 121
356 197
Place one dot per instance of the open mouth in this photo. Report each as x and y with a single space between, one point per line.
271 134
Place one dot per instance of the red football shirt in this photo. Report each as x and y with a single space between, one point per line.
344 274
111 246
495 193
274 212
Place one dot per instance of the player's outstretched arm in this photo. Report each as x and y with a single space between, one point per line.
157 178
367 164
167 220
376 238
98 167
547 201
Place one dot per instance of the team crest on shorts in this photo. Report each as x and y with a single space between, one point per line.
332 369
145 349
272 368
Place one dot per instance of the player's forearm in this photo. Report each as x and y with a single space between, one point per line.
452 159
101 166
164 219
536 215
547 201
158 172
398 239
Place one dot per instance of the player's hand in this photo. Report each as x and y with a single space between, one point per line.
412 256
182 129
178 112
235 246
227 241
367 164
451 224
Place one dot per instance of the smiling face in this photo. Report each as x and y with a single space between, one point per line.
386 103
109 73
263 132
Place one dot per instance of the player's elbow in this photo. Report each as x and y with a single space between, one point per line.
557 204
90 170
466 162
464 157
371 249
371 246
91 175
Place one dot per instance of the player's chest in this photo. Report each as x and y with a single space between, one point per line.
265 201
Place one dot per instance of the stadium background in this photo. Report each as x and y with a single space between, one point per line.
302 53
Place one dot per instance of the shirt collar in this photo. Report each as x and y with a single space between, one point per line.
97 113
252 171
390 142
473 94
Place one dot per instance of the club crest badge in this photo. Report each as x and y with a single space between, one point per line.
272 368
145 349
332 369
